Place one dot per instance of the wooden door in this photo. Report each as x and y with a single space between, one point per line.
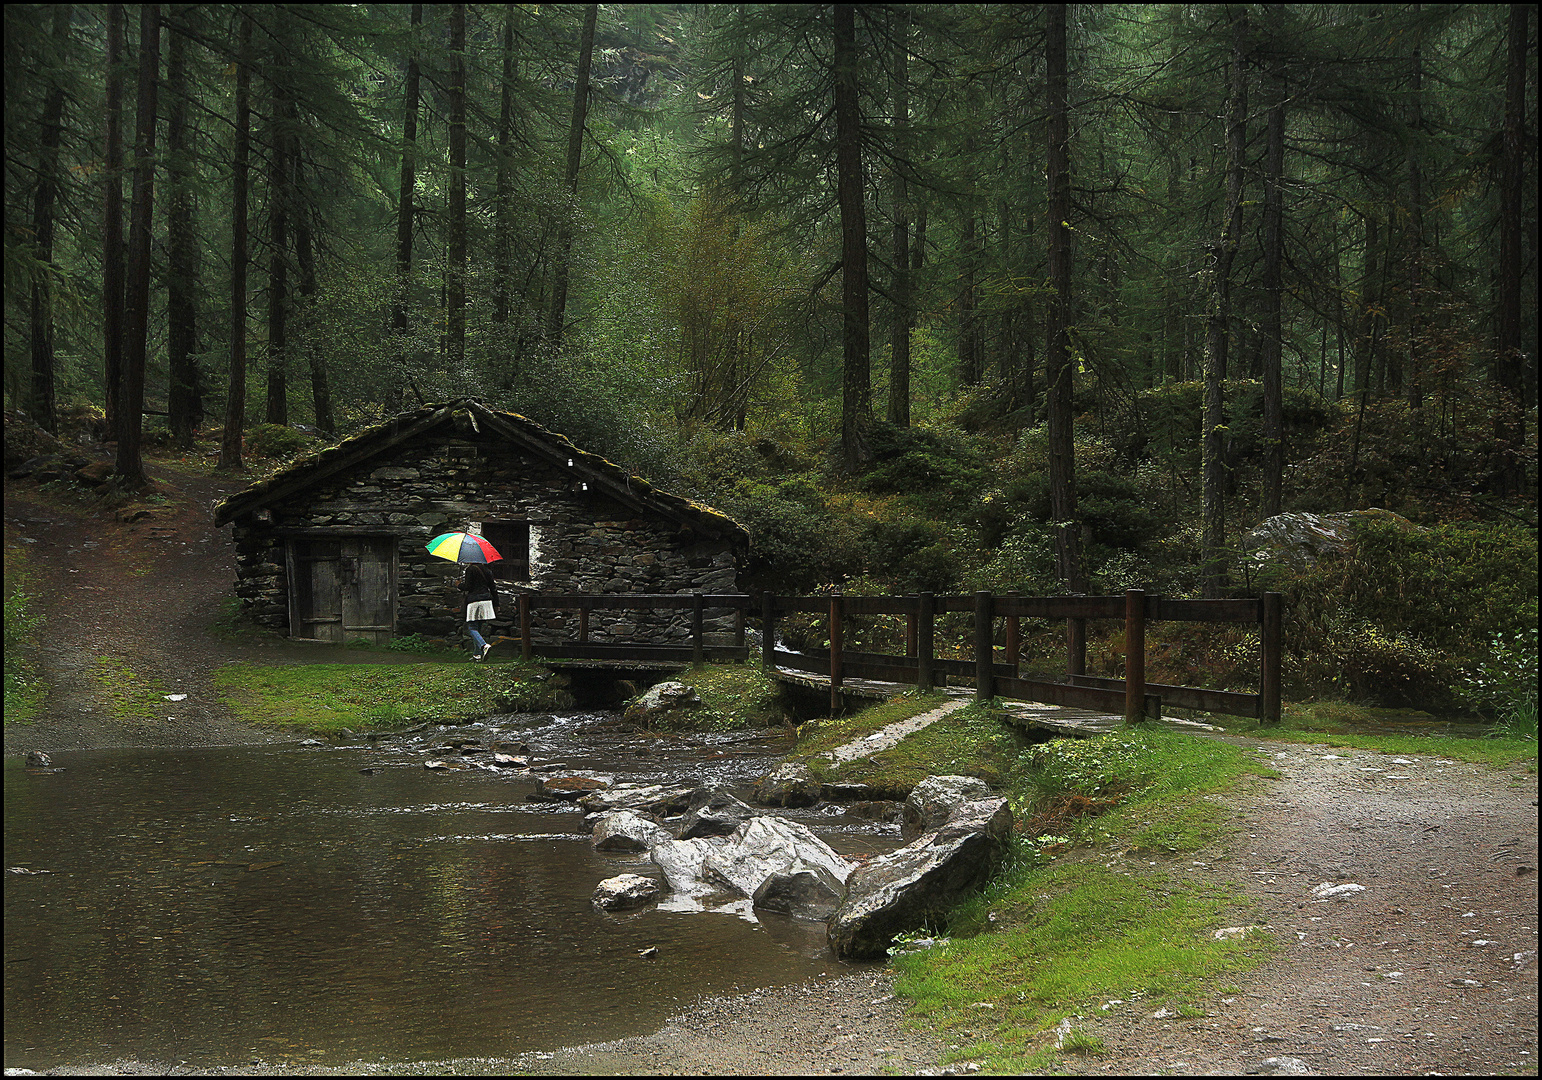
342 588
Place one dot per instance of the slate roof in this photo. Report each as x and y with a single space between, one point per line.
524 434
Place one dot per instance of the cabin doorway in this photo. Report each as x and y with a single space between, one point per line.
342 588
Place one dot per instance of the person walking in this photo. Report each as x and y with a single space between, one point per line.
481 606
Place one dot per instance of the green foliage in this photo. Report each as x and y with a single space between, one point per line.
1398 619
275 441
1504 683
416 643
939 468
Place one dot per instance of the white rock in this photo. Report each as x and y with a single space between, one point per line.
1329 891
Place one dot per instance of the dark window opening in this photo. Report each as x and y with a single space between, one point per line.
512 541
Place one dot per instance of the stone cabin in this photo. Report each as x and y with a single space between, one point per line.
332 547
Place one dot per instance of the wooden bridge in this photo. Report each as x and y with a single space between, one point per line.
994 672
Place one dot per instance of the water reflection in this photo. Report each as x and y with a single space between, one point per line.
218 906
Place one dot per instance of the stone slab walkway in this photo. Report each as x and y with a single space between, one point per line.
884 738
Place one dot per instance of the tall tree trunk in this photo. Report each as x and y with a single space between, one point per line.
455 284
1415 381
1509 364
279 143
112 223
556 317
970 363
40 396
1058 366
184 403
1213 570
235 401
404 205
503 224
131 391
856 388
904 312
305 259
1274 243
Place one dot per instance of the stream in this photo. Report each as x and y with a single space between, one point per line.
325 904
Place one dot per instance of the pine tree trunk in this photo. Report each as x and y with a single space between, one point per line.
556 318
904 316
856 388
305 259
184 404
1272 347
1213 570
112 224
131 391
278 256
404 204
40 396
1058 367
503 222
1509 364
235 401
455 273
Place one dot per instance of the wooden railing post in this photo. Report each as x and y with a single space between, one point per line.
583 625
739 627
836 606
984 647
926 611
698 629
1014 644
1134 656
525 650
1270 611
768 630
1076 645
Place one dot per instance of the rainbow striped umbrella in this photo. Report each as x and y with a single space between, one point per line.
463 547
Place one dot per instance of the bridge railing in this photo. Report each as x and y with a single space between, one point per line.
1133 696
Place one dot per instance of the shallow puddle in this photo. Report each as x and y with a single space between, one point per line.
222 906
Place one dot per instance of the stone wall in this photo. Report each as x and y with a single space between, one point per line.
581 542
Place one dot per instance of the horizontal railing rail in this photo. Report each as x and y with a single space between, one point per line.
1133 695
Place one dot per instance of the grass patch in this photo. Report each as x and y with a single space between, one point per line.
130 695
972 741
1070 922
327 698
25 691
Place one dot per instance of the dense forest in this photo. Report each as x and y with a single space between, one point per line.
1032 298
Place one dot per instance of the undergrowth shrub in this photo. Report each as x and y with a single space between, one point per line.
275 441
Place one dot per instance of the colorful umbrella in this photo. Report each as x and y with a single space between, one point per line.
463 547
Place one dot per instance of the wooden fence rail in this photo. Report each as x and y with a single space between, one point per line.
1132 696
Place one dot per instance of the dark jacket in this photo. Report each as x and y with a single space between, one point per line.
478 585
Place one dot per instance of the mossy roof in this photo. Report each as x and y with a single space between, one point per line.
473 416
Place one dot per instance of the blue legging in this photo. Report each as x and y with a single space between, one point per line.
473 629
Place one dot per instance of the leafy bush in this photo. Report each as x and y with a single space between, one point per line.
1397 620
942 469
1504 683
275 441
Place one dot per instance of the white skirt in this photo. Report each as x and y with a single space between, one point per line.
480 611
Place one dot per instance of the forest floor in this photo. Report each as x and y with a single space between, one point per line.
1432 968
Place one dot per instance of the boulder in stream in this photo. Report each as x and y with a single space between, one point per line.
624 830
625 891
902 890
661 799
782 866
789 784
712 811
571 786
934 800
684 863
659 701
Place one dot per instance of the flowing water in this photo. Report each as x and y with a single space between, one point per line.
319 904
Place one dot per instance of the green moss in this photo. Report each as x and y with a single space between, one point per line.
131 696
734 697
329 697
25 691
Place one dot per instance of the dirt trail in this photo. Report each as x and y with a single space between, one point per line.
1432 967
